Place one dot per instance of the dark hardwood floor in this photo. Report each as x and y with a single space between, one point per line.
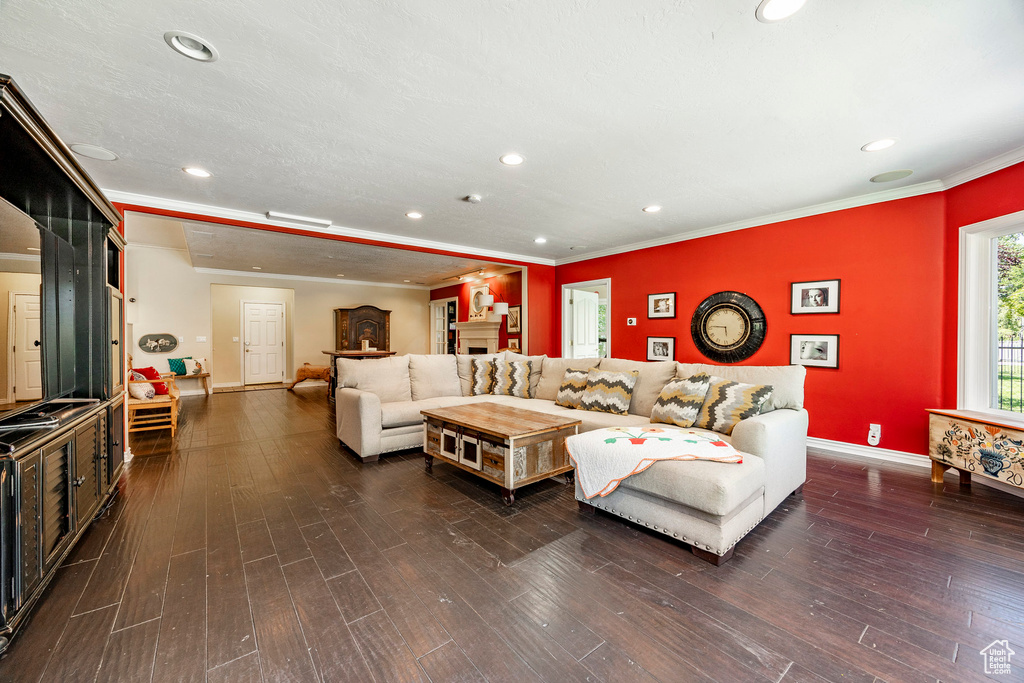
254 548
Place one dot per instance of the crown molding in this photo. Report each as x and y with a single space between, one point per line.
334 230
1014 156
817 209
304 278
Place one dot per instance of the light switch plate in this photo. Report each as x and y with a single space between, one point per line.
234 339
631 321
200 340
181 340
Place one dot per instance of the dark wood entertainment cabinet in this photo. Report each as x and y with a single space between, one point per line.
54 479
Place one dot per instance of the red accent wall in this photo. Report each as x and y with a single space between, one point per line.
507 288
890 258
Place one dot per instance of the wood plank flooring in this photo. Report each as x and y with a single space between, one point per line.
254 548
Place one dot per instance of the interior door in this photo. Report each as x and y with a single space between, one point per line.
438 327
584 339
28 359
263 342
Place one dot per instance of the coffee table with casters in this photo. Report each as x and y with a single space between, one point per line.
509 446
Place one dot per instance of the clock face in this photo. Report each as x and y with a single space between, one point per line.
728 327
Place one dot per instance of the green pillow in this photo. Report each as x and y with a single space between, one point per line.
177 365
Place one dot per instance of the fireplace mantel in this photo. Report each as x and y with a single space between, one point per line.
478 335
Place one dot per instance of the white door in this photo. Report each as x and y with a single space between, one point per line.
438 327
263 342
28 358
583 307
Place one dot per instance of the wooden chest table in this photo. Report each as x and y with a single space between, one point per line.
976 443
508 446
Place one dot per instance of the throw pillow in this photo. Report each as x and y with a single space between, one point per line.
483 377
177 365
140 391
194 367
574 382
729 402
681 400
512 378
151 373
609 392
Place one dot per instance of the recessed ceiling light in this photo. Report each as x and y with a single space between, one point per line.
257 268
197 172
511 159
414 215
890 176
406 280
770 11
192 46
653 208
33 248
93 152
541 240
341 275
878 145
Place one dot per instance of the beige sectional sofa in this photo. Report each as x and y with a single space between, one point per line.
708 505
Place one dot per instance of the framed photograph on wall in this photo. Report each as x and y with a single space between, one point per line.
661 348
661 305
820 296
513 343
514 320
814 350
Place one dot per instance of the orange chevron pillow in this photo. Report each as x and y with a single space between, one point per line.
729 402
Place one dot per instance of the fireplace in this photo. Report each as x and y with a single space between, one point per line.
478 337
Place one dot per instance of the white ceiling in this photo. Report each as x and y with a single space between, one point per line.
360 111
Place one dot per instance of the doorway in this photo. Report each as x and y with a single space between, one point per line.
443 316
263 349
23 340
585 314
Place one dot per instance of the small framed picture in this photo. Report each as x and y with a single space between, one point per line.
661 348
513 323
661 305
513 343
821 296
814 350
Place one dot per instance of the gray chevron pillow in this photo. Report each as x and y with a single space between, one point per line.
680 401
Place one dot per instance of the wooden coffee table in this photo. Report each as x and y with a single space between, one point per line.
508 446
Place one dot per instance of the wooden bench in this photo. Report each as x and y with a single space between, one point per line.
205 376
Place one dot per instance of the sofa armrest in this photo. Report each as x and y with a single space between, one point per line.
780 439
358 420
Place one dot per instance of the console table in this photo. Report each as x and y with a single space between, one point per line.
357 355
976 443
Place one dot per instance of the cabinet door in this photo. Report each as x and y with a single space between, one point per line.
115 448
28 537
56 501
115 307
86 483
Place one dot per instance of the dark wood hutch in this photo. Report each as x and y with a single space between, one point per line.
62 456
353 325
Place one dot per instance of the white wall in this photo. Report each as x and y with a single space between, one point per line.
170 296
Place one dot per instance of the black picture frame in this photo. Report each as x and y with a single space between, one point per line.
814 350
815 296
661 348
514 320
661 305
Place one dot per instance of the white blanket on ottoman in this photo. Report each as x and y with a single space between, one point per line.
604 457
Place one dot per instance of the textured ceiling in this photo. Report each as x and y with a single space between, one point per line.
221 247
360 111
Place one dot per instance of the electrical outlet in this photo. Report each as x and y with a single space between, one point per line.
874 434
631 321
181 340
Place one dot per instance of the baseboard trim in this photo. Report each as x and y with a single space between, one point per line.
844 449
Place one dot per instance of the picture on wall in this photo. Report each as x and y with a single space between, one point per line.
163 342
661 305
513 343
477 308
814 350
513 322
661 348
821 296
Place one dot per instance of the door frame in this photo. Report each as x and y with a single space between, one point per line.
11 299
567 321
284 336
430 308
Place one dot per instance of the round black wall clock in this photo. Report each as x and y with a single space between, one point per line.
728 327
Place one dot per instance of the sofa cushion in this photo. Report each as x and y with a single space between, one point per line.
465 365
483 376
386 377
433 375
554 371
729 402
652 379
787 381
681 400
574 383
609 392
716 488
512 378
536 367
403 413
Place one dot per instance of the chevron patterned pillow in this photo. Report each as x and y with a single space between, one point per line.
483 377
574 382
680 401
609 392
512 378
729 402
